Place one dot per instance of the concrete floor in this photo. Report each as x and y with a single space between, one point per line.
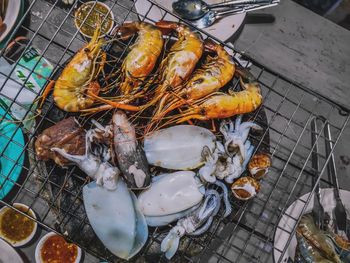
336 11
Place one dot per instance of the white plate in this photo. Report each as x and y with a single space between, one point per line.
12 11
223 29
30 237
8 254
294 210
40 244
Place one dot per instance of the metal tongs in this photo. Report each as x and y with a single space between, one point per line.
317 209
339 212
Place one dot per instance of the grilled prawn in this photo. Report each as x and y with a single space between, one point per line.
77 88
173 70
215 73
317 238
143 56
221 105
77 85
179 63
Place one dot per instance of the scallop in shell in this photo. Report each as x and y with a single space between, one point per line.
245 188
259 165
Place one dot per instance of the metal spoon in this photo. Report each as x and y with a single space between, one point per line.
194 9
209 18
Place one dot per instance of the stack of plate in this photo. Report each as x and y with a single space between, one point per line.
11 153
8 254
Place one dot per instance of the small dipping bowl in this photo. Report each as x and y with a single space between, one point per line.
53 243
14 226
99 10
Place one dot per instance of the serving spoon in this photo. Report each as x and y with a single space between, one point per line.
210 17
195 9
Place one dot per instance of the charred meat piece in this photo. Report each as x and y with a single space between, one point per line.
67 135
131 157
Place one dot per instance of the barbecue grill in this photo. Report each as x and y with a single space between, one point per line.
247 235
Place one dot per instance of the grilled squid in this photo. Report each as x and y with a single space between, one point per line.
95 162
131 158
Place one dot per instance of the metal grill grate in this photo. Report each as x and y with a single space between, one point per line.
247 235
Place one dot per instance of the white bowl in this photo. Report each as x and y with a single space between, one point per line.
30 237
110 13
11 15
40 245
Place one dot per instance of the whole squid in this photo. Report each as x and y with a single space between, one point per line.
95 162
194 224
131 158
198 221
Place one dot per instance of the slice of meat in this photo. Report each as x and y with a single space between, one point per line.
66 134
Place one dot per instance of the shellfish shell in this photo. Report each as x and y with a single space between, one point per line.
245 188
259 165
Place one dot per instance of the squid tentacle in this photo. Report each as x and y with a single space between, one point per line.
195 224
204 228
228 208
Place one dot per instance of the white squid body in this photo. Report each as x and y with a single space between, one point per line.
116 218
179 147
171 193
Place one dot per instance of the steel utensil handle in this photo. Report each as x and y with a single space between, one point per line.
240 10
339 211
239 2
314 156
331 165
317 210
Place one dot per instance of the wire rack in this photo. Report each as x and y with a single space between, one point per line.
247 235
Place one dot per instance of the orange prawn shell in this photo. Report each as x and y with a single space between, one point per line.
183 55
342 242
212 75
223 105
77 80
179 63
259 165
217 72
143 56
220 105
